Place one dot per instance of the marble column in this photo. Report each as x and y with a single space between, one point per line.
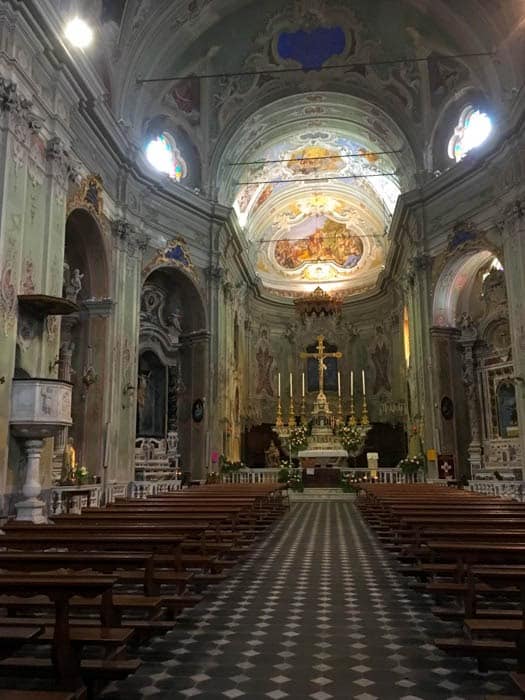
473 407
513 236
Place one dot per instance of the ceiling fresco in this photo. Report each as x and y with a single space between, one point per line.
315 197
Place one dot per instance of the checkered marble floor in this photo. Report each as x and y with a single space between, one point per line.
318 612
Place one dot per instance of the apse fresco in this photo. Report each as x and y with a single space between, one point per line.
319 239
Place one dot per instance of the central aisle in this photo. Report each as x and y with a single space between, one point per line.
317 612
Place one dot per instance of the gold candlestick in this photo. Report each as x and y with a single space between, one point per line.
364 415
291 414
351 419
279 419
339 411
303 411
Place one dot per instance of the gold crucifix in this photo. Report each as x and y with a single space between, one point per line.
321 356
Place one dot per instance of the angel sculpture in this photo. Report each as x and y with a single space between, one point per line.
72 283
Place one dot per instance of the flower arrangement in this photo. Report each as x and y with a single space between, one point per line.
213 478
411 465
352 439
82 475
226 466
291 476
298 438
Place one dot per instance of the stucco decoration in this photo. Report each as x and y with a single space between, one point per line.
175 254
89 196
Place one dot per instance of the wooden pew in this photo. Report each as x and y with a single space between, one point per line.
65 663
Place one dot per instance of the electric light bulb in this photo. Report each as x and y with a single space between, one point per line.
79 33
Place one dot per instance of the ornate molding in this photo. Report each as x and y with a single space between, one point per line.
88 194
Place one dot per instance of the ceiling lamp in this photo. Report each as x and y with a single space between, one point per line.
78 33
319 303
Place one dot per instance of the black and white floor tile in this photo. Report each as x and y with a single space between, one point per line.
318 611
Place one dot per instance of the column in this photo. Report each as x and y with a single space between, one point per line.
473 407
513 236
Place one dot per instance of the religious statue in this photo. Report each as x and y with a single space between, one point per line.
69 461
272 456
72 283
174 323
415 446
264 365
380 357
142 388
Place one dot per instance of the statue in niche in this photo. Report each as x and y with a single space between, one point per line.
69 461
264 365
142 388
272 456
72 283
174 324
381 358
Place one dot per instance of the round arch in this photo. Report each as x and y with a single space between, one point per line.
453 280
86 250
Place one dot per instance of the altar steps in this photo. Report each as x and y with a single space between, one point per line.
321 494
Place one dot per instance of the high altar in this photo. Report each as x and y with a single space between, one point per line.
324 453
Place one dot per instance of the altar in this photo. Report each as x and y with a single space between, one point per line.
327 458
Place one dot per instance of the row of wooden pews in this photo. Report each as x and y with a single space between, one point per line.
468 551
77 594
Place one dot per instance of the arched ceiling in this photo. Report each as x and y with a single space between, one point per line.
235 94
314 180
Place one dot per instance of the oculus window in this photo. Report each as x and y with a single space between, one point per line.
163 154
473 129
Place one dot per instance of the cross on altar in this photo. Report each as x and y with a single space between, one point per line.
321 356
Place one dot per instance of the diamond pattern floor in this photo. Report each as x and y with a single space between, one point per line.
317 612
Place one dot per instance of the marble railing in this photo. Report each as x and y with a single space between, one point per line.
506 489
143 489
270 476
71 499
251 476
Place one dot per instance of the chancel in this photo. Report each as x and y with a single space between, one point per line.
262 349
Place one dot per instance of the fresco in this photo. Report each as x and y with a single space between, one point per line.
314 159
319 239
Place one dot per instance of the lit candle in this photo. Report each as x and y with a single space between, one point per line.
291 385
279 385
302 378
352 383
339 384
363 377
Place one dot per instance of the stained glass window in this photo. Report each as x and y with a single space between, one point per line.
164 156
473 129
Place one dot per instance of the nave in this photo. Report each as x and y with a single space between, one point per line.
318 611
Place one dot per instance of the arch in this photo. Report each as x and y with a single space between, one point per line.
453 280
85 249
174 275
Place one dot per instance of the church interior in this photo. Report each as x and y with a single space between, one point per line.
262 349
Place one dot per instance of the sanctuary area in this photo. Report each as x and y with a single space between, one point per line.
262 349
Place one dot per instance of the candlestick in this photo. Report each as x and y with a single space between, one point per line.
364 415
352 383
303 411
351 419
291 414
291 385
339 411
302 379
279 418
363 378
339 384
279 385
